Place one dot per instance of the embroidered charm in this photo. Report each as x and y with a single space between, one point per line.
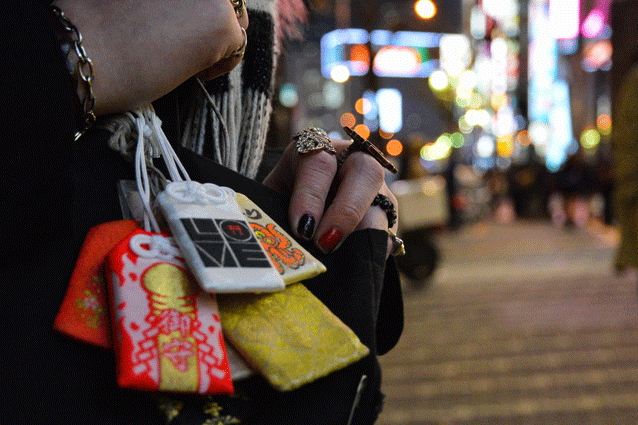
168 334
218 245
291 260
84 310
90 307
278 247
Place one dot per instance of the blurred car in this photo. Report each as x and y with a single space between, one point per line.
423 205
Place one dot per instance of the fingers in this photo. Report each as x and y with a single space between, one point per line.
359 181
377 218
315 173
328 203
308 178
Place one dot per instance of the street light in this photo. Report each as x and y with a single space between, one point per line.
426 9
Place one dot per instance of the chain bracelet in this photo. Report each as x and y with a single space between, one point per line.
85 70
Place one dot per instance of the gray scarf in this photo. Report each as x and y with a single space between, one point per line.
231 130
234 135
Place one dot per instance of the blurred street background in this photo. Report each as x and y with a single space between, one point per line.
514 126
521 324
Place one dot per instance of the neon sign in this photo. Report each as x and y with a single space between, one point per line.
407 54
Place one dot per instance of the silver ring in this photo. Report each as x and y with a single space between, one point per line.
398 247
313 139
241 49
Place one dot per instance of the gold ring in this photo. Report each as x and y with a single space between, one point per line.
313 139
239 7
398 247
241 49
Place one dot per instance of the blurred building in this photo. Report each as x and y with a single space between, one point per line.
512 87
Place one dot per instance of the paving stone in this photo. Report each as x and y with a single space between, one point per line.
522 324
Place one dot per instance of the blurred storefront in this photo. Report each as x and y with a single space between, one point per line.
509 101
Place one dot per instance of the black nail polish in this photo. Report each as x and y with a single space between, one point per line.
306 226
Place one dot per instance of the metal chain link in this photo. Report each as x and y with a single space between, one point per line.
85 68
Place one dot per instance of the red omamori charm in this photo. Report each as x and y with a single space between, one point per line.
167 332
84 311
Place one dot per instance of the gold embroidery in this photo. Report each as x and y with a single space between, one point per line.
222 420
173 302
278 247
92 309
214 409
290 336
171 408
170 288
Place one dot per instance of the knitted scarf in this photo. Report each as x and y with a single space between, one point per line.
244 96
243 99
232 131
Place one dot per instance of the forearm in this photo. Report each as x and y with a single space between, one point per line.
141 50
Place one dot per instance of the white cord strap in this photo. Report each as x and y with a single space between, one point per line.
141 175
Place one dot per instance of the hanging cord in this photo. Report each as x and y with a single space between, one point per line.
122 128
141 175
176 170
135 129
211 104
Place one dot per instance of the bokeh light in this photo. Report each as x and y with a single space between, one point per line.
603 122
498 100
457 139
394 147
363 130
440 149
288 95
464 126
590 138
523 138
505 145
360 53
347 120
363 106
426 9
593 24
385 135
485 146
438 80
340 73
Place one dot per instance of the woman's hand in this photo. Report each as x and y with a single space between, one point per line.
143 49
329 202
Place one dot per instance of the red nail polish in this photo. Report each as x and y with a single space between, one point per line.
329 240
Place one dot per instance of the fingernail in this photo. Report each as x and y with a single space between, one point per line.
306 226
329 240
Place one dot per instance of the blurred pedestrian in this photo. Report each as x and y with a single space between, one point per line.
625 199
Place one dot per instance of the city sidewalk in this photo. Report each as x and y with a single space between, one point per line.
522 324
